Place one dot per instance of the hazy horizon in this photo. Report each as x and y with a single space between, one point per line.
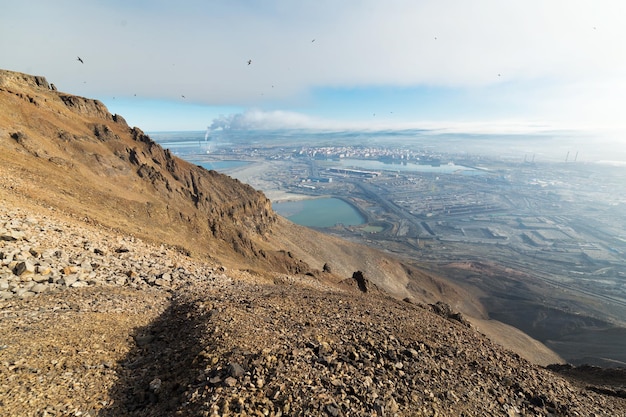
486 65
539 147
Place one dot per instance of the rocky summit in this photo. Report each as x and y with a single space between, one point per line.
135 284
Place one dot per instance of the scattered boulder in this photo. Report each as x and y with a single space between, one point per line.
360 281
444 310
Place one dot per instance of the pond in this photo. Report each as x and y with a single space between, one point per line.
319 212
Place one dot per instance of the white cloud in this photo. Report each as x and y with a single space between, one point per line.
200 50
277 120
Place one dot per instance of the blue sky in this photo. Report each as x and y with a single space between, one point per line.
491 65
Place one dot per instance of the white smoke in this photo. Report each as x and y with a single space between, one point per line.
264 120
277 120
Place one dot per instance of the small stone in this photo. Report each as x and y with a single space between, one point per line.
332 410
27 294
412 353
6 295
68 280
12 235
159 282
230 381
40 278
68 270
143 340
25 267
235 370
20 291
215 380
39 288
155 385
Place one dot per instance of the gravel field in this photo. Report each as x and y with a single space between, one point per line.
144 330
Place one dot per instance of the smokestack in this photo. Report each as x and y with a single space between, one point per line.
567 156
576 157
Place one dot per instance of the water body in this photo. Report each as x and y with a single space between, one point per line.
319 212
405 167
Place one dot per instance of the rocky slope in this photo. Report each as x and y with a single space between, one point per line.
70 153
124 327
67 152
134 283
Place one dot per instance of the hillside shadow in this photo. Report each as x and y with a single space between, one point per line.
156 372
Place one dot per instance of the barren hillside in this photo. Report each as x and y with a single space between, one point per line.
135 283
70 153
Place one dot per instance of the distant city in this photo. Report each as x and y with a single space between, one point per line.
557 225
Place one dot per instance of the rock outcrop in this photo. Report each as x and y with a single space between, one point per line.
161 192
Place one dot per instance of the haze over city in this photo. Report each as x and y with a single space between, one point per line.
484 66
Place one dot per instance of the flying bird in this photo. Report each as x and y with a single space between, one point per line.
313 40
182 96
249 61
79 60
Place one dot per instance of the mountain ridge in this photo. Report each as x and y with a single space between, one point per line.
67 156
93 159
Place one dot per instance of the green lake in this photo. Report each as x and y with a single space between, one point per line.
319 212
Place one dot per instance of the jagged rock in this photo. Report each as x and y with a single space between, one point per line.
103 133
363 284
119 119
86 106
25 267
445 310
360 280
41 81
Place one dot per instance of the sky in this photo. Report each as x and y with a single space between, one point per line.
480 65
